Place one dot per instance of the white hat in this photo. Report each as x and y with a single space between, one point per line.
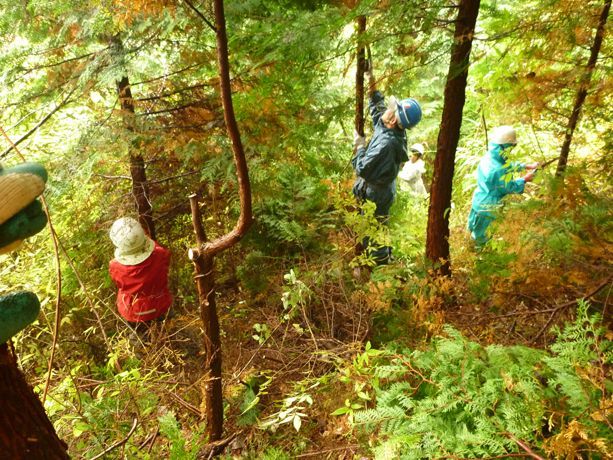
504 135
131 243
419 148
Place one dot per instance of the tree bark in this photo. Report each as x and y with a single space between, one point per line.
140 186
245 218
205 283
203 256
583 88
359 76
437 240
25 431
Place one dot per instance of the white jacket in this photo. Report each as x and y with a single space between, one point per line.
411 180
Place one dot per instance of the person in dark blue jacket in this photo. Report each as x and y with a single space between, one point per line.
494 182
377 164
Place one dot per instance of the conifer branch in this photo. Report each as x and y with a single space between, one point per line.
202 16
172 93
14 144
165 76
65 61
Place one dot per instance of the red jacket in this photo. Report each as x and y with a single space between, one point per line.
143 289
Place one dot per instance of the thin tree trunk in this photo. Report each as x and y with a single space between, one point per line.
437 241
203 256
583 88
242 172
140 186
359 76
25 431
205 283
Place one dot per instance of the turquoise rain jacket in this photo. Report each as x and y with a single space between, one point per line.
493 184
377 165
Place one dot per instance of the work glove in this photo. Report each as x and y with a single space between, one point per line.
528 177
358 141
21 216
532 166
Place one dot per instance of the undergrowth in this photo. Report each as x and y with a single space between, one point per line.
460 399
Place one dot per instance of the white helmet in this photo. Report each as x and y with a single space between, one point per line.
131 243
418 148
504 135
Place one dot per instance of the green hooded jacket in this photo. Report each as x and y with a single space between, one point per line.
493 184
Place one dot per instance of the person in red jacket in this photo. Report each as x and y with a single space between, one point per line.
140 271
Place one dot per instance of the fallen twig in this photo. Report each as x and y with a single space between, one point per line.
557 308
524 446
118 443
185 404
216 447
319 452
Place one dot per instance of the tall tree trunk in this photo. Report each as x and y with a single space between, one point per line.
359 76
140 186
203 255
437 242
25 431
583 87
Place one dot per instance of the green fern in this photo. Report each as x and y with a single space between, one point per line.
461 399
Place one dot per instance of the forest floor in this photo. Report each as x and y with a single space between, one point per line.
285 358
287 342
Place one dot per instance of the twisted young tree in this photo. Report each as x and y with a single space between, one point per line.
204 254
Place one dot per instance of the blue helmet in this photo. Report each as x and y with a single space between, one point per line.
408 112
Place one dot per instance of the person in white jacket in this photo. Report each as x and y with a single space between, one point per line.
410 175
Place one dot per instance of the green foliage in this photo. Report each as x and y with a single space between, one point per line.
255 388
462 399
295 298
295 215
249 273
274 454
169 427
361 366
96 417
579 351
494 260
293 409
408 226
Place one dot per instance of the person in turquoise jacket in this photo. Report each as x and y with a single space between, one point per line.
377 164
494 182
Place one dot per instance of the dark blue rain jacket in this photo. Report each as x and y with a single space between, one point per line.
377 165
493 183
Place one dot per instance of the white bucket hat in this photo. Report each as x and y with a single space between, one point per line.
131 243
504 135
419 148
